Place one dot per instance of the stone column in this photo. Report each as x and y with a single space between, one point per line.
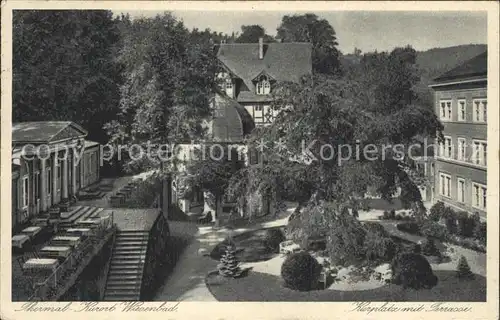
73 174
43 185
54 179
64 187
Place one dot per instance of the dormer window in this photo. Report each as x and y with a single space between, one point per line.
228 87
263 87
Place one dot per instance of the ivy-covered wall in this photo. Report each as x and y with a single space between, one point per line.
157 256
91 283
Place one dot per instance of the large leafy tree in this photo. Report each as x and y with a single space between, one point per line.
212 172
341 136
252 33
63 67
169 77
310 28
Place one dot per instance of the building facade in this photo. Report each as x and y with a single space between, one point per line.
250 72
227 128
51 162
460 97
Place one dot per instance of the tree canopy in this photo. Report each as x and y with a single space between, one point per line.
310 28
252 33
339 136
63 67
168 80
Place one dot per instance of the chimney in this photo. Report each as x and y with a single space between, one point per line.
261 48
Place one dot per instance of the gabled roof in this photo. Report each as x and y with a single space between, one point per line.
45 131
282 61
475 68
231 121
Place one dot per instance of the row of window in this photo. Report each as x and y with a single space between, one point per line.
478 155
478 199
479 112
262 87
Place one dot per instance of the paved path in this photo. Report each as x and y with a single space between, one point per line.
187 281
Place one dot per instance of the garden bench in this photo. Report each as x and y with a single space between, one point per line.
31 231
19 240
55 251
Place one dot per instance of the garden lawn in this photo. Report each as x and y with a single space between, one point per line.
258 286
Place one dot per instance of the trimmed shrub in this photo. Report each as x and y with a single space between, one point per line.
379 248
392 214
365 206
273 238
386 215
429 248
300 271
413 271
409 227
480 232
375 227
416 248
467 223
463 269
433 229
345 241
450 220
436 211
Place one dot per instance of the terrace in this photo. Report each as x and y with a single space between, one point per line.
47 269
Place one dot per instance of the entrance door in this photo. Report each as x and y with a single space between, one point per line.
36 185
78 175
48 187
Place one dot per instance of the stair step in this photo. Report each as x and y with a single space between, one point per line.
130 243
115 288
121 298
132 238
126 267
134 252
124 262
121 277
132 247
120 272
125 282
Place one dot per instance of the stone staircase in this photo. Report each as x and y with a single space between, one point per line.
77 214
126 266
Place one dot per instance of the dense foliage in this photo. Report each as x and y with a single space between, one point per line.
252 33
310 28
64 67
168 81
300 271
430 249
379 248
413 271
273 238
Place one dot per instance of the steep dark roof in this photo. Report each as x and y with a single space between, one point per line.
231 121
45 131
474 68
282 62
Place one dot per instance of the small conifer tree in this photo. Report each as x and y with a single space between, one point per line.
229 265
463 269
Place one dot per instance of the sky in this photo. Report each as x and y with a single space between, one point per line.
366 30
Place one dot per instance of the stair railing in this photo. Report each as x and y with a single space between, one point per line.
108 265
